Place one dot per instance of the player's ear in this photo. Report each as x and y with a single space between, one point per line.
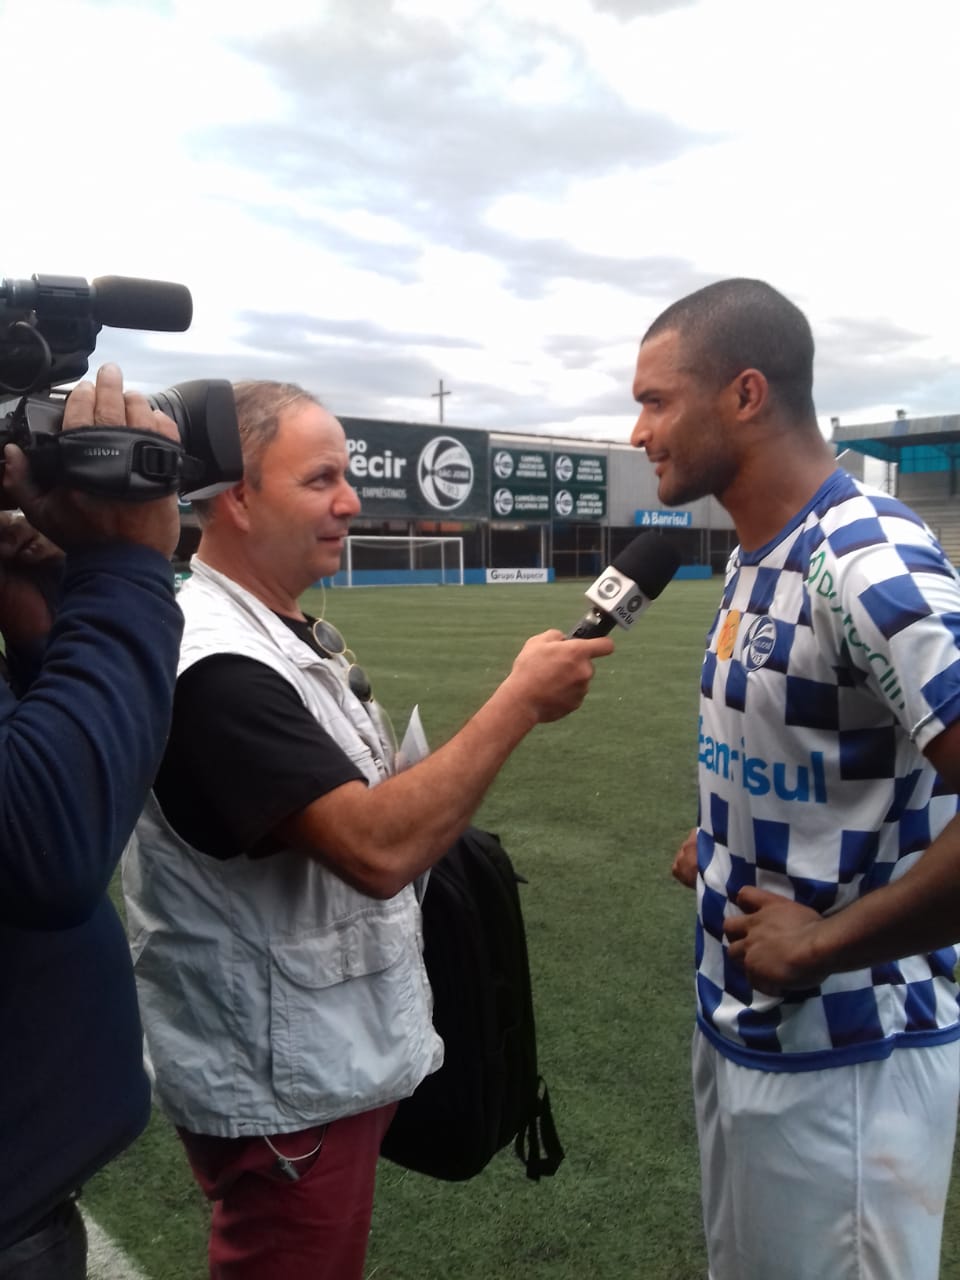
749 393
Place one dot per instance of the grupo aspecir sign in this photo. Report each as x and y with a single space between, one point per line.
517 575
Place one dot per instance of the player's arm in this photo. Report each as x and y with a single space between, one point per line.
783 945
380 839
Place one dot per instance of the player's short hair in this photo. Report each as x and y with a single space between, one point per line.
745 324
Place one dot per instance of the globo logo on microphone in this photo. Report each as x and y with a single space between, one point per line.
617 595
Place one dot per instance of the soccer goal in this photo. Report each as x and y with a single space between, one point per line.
376 561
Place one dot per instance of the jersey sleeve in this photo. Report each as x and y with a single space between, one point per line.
895 611
244 754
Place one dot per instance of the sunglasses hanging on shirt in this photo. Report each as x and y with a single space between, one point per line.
331 644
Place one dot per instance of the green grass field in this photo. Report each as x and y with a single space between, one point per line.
591 809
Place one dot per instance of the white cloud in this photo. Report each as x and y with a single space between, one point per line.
506 176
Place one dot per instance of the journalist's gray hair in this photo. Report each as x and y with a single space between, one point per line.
260 405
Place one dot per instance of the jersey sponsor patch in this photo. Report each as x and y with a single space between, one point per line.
728 635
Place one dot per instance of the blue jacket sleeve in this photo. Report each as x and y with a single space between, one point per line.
80 749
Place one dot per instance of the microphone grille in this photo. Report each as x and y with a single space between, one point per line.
124 302
650 561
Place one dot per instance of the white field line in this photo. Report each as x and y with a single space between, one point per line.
105 1260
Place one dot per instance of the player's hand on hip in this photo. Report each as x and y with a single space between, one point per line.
684 866
775 941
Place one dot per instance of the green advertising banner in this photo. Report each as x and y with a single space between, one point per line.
404 470
521 466
579 504
520 484
579 469
547 484
579 486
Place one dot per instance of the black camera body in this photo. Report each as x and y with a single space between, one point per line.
48 329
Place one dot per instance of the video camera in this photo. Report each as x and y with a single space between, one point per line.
48 329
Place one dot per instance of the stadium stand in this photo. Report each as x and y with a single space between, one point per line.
922 457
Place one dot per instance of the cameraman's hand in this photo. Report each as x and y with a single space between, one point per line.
30 569
74 520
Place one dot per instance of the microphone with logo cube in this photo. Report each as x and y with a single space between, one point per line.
625 590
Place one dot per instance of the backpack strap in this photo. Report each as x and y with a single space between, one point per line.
540 1132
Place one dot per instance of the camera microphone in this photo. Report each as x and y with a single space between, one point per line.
48 329
121 302
625 589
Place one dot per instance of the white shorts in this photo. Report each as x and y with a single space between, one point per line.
839 1174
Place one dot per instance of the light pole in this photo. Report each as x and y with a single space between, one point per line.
439 396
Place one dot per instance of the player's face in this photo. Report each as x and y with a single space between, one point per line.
301 511
681 424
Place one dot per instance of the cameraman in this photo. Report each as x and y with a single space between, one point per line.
91 640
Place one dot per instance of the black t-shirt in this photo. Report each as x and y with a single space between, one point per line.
243 755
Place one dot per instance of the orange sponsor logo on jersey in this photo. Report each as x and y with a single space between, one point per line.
728 635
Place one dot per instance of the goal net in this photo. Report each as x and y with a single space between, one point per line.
413 560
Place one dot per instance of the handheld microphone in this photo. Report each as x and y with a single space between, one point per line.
625 589
121 302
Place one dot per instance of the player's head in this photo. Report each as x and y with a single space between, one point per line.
741 324
720 374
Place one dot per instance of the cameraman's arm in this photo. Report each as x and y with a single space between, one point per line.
79 751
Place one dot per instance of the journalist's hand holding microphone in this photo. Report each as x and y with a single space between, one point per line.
550 675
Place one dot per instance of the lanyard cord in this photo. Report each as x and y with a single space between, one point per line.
287 1163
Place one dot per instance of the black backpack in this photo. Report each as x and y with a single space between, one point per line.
488 1091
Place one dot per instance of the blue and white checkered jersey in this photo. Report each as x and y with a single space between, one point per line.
834 659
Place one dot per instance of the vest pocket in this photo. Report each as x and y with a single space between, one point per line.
343 1005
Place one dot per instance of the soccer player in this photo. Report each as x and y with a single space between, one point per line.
829 761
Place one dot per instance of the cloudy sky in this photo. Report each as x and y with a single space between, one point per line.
370 195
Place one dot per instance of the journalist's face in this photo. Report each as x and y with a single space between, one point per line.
300 512
682 424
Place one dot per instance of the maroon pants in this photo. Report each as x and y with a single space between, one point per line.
267 1224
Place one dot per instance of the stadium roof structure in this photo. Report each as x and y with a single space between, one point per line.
915 444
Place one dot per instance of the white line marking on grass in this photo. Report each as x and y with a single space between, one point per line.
106 1260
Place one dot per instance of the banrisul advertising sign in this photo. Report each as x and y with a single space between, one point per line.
547 484
654 518
400 469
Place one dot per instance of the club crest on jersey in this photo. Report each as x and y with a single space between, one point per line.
758 643
728 635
